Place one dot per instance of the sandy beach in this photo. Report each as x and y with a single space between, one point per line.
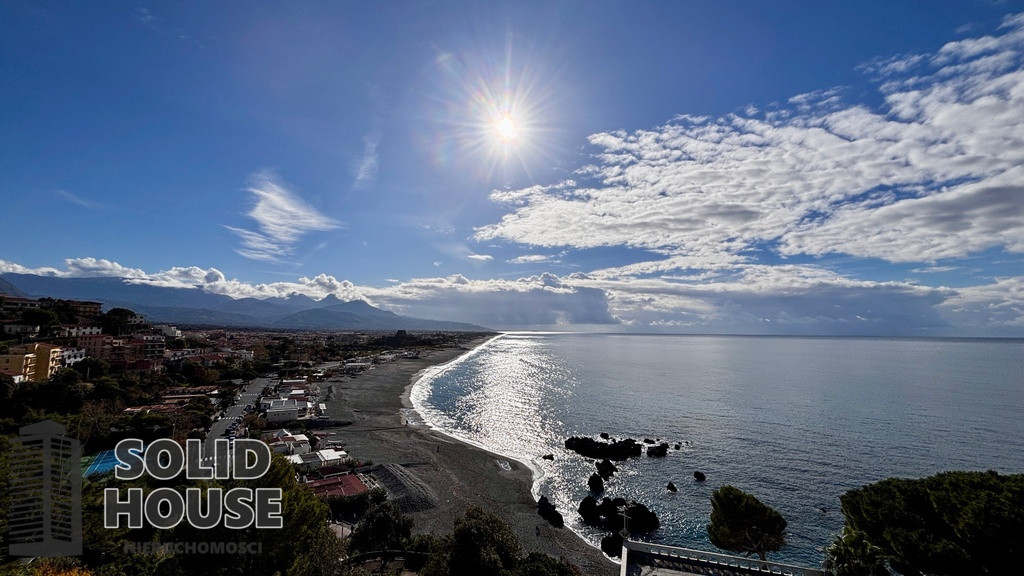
458 474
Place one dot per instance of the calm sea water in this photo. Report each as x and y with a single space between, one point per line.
795 421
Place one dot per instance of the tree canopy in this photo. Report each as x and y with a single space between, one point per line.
483 543
742 523
382 528
948 524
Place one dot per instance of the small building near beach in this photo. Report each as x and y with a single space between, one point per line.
344 485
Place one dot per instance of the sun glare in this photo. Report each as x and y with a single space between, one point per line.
493 112
505 127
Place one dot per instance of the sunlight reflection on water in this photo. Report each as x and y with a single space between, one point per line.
795 421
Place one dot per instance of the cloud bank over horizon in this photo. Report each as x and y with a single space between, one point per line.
761 300
817 214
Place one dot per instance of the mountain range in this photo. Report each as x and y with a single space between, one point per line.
191 306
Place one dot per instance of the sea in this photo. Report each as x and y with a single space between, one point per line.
795 421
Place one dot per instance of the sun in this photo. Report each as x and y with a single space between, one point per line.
505 127
492 111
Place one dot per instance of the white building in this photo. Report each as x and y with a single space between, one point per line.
320 458
76 331
69 356
21 329
168 331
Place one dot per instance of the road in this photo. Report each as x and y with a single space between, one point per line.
249 395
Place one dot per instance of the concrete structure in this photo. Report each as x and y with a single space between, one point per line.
149 346
23 365
71 356
21 329
282 413
48 358
183 353
96 345
76 331
297 444
15 305
243 355
328 457
168 331
16 378
83 309
332 457
641 558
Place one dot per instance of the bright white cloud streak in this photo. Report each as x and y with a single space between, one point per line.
282 219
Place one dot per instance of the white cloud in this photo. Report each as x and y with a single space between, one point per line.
480 257
282 219
935 176
366 171
15 268
82 267
78 200
545 300
77 268
529 259
775 299
990 309
214 281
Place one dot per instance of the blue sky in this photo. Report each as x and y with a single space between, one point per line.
737 167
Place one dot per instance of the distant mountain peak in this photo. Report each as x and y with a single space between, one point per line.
8 289
196 306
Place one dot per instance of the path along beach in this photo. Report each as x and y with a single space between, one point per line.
459 475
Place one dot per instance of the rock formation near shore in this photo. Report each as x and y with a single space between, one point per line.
613 450
606 469
659 451
608 515
548 512
612 545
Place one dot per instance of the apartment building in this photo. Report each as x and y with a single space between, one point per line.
21 365
47 358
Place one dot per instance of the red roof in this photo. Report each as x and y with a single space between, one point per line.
347 485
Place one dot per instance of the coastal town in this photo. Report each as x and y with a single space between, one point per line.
333 406
362 485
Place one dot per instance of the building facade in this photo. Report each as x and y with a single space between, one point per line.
48 358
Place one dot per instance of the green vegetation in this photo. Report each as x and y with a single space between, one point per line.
117 321
382 528
481 543
950 524
742 523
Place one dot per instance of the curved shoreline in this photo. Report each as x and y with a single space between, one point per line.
538 473
461 473
435 371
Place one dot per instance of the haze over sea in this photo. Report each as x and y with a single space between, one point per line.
795 421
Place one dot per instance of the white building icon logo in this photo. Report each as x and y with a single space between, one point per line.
46 492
